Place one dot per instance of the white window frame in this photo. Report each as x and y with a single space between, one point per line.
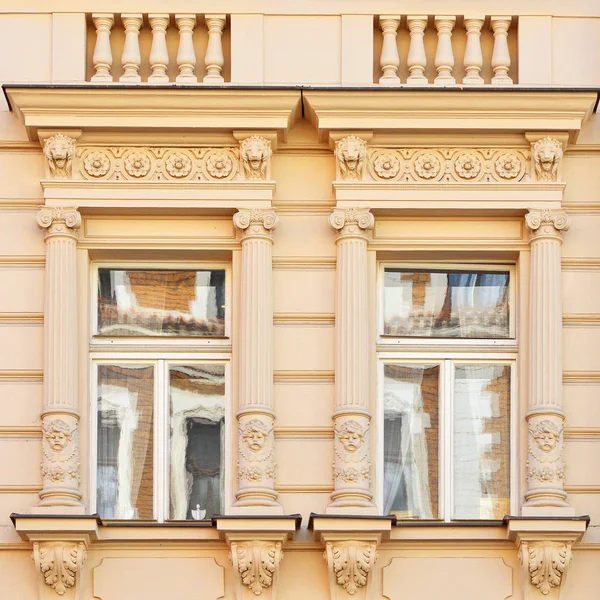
160 352
447 352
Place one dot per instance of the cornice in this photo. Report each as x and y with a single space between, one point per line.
158 109
496 112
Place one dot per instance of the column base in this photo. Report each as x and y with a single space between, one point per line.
547 511
351 501
58 509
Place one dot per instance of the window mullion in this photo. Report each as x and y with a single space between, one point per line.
448 433
159 450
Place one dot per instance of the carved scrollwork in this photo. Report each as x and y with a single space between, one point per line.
547 154
59 150
59 563
256 562
351 562
546 563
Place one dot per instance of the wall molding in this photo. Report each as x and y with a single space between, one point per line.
304 433
282 318
21 375
309 263
304 376
27 432
21 318
581 376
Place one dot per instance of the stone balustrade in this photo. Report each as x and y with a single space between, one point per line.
445 50
158 48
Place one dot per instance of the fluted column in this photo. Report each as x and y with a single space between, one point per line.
256 459
444 56
159 55
473 55
352 464
417 59
214 58
60 412
545 416
102 57
389 60
131 58
501 54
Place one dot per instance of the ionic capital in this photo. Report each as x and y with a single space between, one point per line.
352 221
256 222
59 563
546 223
59 221
256 565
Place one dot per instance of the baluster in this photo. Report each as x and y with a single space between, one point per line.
501 55
186 55
159 55
417 60
473 56
444 58
214 59
102 58
390 60
131 58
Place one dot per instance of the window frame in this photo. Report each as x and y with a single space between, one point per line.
447 352
160 352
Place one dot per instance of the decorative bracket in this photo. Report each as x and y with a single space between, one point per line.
257 564
59 563
349 565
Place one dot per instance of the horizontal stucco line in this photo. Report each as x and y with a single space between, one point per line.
25 204
304 433
304 489
581 376
157 243
582 489
20 147
457 544
580 263
21 261
305 209
303 318
32 431
20 489
303 376
21 318
304 262
21 375
591 208
581 319
421 244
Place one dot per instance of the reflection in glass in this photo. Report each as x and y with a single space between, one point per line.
448 304
410 443
133 302
197 440
481 441
125 422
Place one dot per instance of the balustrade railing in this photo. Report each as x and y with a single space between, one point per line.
158 48
445 50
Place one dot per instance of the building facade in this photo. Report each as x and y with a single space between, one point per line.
299 300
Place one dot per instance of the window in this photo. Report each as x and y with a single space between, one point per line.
447 354
160 360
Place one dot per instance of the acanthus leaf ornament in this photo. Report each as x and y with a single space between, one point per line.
545 563
59 563
59 150
256 563
351 561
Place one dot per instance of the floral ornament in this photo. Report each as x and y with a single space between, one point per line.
178 165
508 166
137 164
468 166
387 165
96 164
219 165
427 165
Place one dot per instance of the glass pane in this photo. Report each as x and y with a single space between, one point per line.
446 304
133 302
481 441
197 440
125 477
410 440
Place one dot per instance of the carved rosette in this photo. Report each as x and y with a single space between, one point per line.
350 563
59 221
547 155
256 458
547 224
256 222
59 150
351 466
59 563
159 163
544 565
257 565
255 157
350 154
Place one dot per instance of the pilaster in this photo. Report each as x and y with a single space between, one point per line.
60 412
256 459
352 464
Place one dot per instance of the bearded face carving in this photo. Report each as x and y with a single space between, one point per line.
58 151
255 152
350 153
547 154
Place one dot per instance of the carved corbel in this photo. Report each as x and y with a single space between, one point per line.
546 157
59 563
255 158
256 568
544 567
350 564
350 155
59 151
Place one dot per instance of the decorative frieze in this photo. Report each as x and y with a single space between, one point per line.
59 563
